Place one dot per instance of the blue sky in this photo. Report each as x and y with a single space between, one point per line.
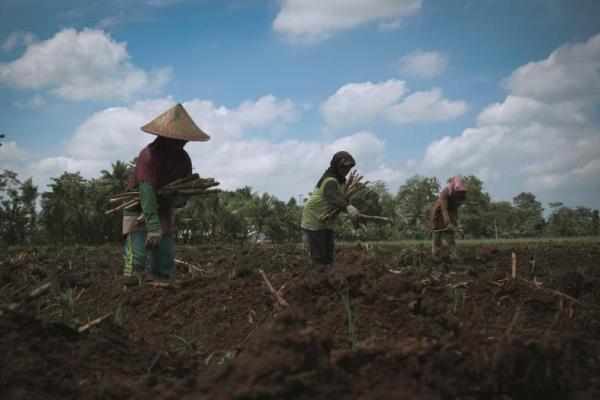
506 90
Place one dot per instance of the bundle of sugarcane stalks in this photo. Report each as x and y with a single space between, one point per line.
354 189
190 186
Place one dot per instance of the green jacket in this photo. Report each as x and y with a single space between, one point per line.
316 205
148 206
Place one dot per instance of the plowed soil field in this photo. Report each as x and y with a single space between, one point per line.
386 322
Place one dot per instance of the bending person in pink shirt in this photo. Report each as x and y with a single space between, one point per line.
444 223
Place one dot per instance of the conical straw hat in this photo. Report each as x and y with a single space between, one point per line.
176 123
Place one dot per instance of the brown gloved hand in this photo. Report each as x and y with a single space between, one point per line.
450 228
153 239
353 212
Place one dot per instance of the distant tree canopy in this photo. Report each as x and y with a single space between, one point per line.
72 211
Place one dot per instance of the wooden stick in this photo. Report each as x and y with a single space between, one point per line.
151 367
30 297
194 192
158 284
127 196
513 266
375 217
446 229
192 266
276 294
182 180
553 291
123 205
93 323
80 294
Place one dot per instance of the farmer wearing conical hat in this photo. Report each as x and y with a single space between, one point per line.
328 193
445 216
149 228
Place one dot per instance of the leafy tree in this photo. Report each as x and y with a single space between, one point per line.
66 209
260 210
387 204
475 217
505 220
415 202
17 208
566 221
531 214
292 218
369 203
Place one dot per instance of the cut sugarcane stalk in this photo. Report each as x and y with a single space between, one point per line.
192 185
127 204
354 189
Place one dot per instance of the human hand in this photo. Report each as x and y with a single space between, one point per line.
353 212
153 239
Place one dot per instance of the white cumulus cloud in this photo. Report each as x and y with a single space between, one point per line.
84 65
427 106
18 38
114 133
544 137
361 103
310 20
570 73
424 64
357 103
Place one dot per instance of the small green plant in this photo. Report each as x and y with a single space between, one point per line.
64 303
119 315
369 248
186 344
351 320
214 359
63 306
187 341
68 298
453 301
532 263
417 261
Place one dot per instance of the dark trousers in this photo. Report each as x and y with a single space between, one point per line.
320 244
436 245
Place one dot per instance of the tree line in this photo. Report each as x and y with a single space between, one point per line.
72 211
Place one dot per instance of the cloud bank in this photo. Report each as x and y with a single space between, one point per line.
307 21
80 65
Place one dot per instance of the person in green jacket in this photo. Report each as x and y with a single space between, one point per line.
328 194
149 228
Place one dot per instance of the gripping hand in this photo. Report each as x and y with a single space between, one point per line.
153 239
353 212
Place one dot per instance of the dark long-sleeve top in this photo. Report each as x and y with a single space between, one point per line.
333 196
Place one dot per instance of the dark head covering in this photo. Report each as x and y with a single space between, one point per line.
339 159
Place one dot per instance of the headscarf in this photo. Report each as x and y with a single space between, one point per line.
456 184
339 159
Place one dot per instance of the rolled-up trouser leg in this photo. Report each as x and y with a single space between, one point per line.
436 243
449 237
163 258
159 262
134 253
